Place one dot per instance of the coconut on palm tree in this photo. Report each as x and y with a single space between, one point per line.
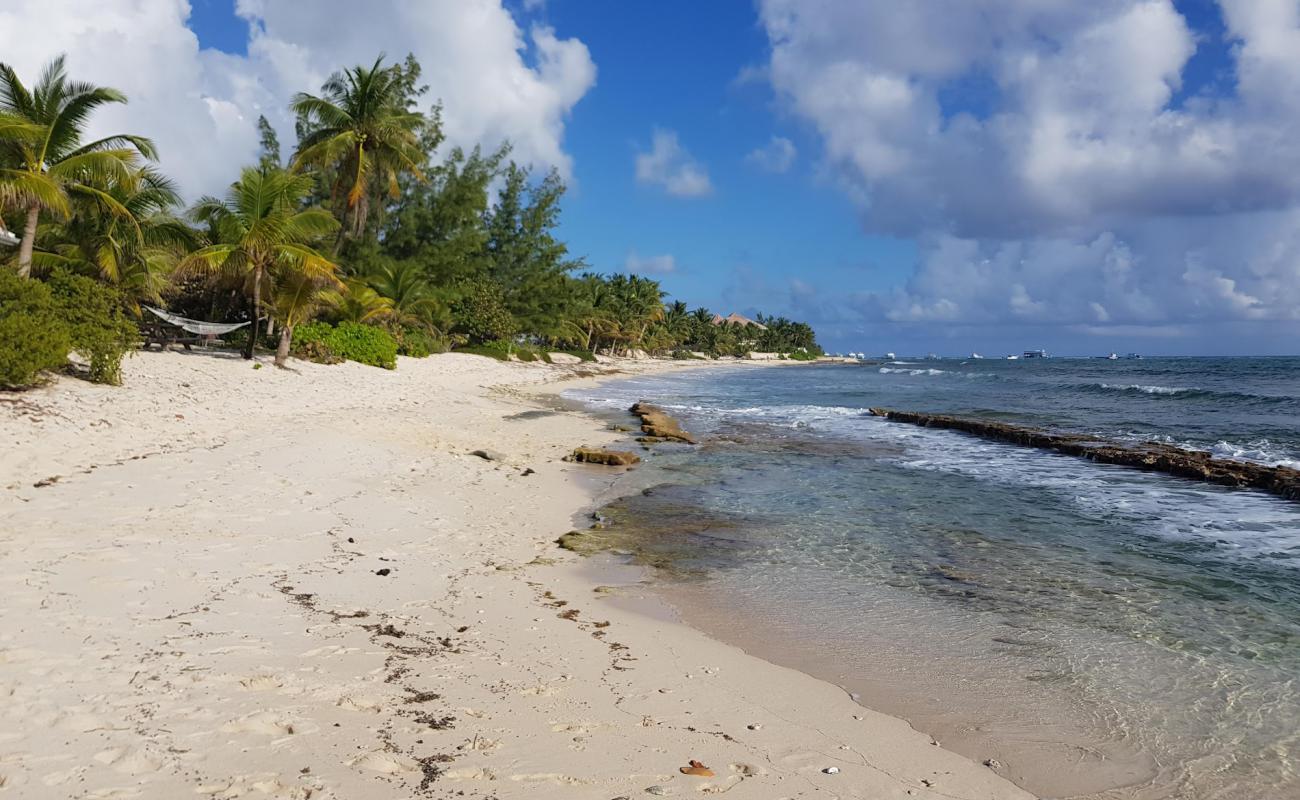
43 161
363 129
260 234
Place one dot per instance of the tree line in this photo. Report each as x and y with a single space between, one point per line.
368 222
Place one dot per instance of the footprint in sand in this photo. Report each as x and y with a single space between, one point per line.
739 772
130 761
264 722
361 702
384 762
261 682
469 775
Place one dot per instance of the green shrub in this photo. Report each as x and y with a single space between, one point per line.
504 349
483 350
801 355
418 342
582 355
365 344
481 313
33 337
97 324
351 341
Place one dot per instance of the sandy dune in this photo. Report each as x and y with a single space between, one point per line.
193 607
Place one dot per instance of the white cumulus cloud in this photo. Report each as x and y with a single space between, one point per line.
496 81
1074 180
668 165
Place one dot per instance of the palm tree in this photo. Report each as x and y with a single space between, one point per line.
298 297
361 304
135 251
43 162
258 232
411 300
363 128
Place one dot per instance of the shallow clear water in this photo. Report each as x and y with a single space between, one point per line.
1099 631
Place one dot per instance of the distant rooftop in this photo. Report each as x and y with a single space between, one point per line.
737 319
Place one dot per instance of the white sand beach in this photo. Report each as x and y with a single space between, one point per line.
224 582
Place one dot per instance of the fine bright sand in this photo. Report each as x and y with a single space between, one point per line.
192 606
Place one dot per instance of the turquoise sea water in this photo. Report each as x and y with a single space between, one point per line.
1096 631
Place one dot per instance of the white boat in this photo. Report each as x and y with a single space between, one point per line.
1113 357
1013 358
1035 354
890 356
976 355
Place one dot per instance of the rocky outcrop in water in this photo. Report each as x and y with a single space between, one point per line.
657 423
1148 456
598 455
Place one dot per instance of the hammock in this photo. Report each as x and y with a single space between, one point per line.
196 326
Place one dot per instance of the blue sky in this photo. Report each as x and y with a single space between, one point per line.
991 175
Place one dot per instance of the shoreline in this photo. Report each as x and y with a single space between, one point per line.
302 585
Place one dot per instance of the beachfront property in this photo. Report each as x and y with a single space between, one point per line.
370 431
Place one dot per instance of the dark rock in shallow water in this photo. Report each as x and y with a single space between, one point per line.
609 458
1148 456
657 423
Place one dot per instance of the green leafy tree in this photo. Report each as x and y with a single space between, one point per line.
525 258
481 313
259 232
44 161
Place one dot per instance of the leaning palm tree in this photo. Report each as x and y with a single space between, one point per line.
362 128
298 297
43 161
258 231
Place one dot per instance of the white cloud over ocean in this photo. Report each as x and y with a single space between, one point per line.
1080 184
497 80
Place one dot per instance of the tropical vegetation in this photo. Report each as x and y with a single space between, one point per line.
370 240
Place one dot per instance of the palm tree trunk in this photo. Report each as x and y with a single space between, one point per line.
257 309
282 351
28 243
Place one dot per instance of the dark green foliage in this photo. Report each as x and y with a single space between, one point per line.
97 324
310 343
270 143
505 350
33 338
418 342
581 355
350 341
481 313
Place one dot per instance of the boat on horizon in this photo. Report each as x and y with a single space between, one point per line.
1035 354
976 355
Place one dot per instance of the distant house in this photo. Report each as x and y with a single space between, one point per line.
737 319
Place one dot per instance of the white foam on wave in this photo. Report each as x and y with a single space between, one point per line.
1259 451
1145 389
889 370
1239 523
